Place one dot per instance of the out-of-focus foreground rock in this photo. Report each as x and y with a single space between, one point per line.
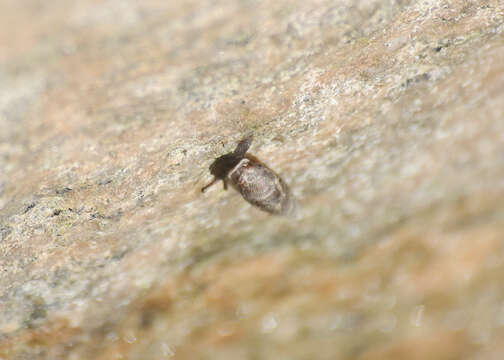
385 117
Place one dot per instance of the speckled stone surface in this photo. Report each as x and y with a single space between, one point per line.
385 117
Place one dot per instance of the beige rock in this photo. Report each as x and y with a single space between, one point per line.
386 119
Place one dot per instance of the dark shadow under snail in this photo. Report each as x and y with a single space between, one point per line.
256 182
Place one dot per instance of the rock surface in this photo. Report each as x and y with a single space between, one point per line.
385 117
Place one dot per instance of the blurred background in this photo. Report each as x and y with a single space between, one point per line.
386 118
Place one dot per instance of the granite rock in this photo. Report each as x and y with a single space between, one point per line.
385 117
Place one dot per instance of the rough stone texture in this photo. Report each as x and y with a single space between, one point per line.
385 117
